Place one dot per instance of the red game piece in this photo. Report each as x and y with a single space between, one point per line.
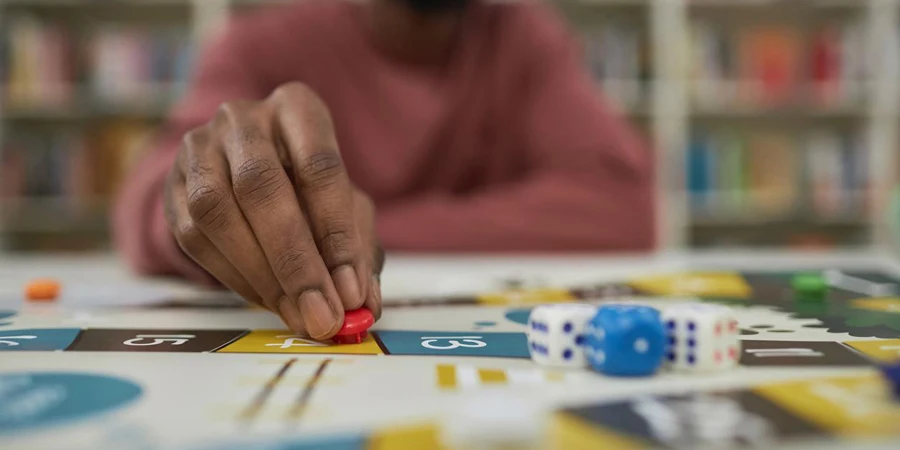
356 326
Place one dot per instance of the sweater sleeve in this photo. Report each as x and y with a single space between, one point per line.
590 182
139 227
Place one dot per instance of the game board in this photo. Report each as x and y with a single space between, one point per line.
185 374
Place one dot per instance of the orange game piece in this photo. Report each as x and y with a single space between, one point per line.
42 290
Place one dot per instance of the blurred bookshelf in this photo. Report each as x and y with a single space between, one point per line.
773 121
785 119
83 83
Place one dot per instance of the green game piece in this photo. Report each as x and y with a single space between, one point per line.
810 286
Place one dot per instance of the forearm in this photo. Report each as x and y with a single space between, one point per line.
550 212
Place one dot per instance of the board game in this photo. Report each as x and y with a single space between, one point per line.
217 374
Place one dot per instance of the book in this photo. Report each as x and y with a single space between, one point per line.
776 65
773 176
46 65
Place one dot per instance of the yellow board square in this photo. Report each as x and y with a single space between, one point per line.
890 305
722 285
522 296
887 350
572 433
412 437
854 406
283 341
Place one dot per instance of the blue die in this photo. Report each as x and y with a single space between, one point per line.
625 340
892 376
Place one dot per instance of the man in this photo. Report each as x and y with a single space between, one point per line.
471 126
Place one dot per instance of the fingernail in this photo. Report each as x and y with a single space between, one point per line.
317 315
290 313
347 286
376 294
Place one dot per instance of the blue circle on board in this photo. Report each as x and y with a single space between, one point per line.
30 400
579 340
567 354
691 343
691 326
338 442
671 356
691 359
567 328
519 316
671 324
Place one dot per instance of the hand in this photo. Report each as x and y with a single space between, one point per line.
259 198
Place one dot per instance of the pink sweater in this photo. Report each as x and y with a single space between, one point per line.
510 149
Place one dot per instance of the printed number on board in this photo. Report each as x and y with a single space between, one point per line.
452 342
157 339
293 341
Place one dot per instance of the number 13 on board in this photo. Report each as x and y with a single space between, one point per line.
434 342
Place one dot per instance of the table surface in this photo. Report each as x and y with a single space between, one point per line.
408 275
103 279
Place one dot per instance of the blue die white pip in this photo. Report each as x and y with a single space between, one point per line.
891 373
556 334
626 340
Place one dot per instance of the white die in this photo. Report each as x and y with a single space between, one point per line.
701 337
556 333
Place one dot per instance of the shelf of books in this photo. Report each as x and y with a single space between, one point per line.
82 84
615 37
774 121
778 152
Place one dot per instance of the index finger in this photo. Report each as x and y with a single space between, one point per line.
321 180
267 201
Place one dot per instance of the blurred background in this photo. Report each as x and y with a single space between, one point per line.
774 122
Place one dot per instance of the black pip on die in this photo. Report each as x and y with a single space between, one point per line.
701 337
556 334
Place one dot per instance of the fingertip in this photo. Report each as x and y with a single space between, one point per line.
319 317
348 287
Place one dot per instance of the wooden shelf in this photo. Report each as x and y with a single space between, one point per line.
86 106
787 221
82 112
817 4
48 215
731 98
92 3
853 112
608 3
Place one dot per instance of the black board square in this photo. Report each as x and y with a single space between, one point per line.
190 341
798 353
